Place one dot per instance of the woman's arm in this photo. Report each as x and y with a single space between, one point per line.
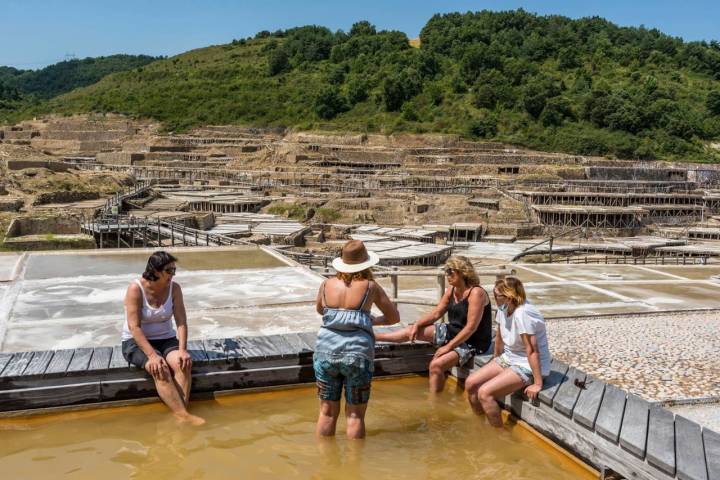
390 312
133 306
476 303
533 355
181 322
499 345
319 307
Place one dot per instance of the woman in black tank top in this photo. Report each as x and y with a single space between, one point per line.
469 327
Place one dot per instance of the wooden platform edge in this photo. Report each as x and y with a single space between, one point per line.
571 425
218 365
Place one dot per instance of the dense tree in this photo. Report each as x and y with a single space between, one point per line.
329 103
713 102
278 61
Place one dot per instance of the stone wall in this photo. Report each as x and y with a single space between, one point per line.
11 204
30 163
634 173
58 225
119 158
64 197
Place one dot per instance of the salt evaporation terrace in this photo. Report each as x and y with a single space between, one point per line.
71 300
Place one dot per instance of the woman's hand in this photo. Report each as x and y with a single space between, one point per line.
532 391
442 351
185 360
158 367
413 332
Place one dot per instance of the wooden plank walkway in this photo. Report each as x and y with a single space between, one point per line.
31 380
615 431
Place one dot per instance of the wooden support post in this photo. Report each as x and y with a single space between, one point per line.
441 288
394 281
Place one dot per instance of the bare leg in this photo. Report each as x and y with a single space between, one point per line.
355 416
503 384
169 394
438 367
327 420
183 377
487 372
403 335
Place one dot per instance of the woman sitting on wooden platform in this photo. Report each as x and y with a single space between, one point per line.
521 358
149 340
468 331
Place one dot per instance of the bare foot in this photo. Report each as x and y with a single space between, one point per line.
193 420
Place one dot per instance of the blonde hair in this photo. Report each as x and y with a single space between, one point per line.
513 289
463 266
347 278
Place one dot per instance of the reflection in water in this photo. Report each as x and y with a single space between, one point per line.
270 435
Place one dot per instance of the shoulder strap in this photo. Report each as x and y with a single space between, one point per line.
170 298
365 297
142 290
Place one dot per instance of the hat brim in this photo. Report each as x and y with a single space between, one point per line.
343 267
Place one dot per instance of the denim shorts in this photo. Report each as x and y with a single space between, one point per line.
465 352
524 373
332 375
134 354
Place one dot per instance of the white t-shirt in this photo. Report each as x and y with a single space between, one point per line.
526 319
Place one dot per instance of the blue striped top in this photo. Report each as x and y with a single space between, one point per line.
346 335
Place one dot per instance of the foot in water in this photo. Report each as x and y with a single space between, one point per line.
190 419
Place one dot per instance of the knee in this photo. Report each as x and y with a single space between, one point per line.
436 368
485 395
174 364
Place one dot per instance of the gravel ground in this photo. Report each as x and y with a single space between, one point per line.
658 357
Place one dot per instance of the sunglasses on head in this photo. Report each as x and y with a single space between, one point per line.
170 270
449 271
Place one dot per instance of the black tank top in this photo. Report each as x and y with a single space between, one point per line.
457 316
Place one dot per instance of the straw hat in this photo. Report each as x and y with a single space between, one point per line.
354 258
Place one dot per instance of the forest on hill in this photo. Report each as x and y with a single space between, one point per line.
20 86
583 86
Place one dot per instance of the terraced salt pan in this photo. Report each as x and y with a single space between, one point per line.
8 263
88 310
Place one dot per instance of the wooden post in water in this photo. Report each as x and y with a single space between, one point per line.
441 288
394 282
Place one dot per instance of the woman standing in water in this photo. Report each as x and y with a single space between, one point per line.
345 348
469 330
149 340
522 356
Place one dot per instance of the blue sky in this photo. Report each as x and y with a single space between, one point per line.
35 33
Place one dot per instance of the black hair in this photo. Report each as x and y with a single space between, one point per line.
156 263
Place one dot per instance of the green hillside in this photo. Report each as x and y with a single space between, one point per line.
584 86
63 77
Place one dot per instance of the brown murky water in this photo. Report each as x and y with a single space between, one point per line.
270 435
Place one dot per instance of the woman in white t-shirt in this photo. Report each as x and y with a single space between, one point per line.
521 358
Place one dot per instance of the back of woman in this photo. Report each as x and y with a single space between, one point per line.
345 348
346 334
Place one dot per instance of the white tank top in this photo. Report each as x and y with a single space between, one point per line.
156 323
